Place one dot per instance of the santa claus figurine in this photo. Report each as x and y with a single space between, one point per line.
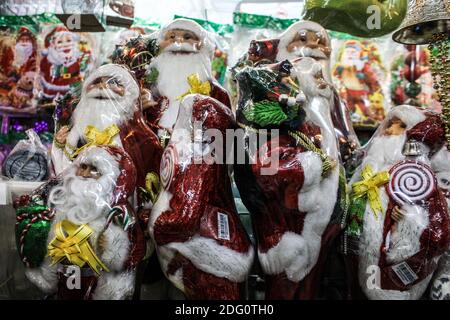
202 246
109 113
25 52
183 66
62 65
398 224
309 39
94 242
296 209
440 286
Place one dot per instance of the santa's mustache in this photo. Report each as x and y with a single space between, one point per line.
181 47
308 52
102 94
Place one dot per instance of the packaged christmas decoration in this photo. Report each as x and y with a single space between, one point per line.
183 66
79 238
360 76
119 12
398 226
361 18
201 244
108 112
28 161
18 70
440 286
65 59
411 78
221 35
292 182
307 39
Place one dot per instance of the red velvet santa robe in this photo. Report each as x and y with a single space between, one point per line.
274 209
199 194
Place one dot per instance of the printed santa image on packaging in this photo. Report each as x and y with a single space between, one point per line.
201 243
295 209
94 241
398 225
359 73
63 63
309 39
109 113
440 286
183 66
17 71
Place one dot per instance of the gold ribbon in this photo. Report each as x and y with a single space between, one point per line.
97 138
71 242
369 186
197 86
152 185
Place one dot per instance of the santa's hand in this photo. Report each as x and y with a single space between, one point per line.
61 135
147 100
397 214
300 98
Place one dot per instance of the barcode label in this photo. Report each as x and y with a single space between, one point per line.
405 273
222 226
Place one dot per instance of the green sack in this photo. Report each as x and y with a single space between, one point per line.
33 224
355 17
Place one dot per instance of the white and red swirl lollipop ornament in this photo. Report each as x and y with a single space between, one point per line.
411 183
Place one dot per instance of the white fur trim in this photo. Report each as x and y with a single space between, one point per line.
116 248
312 168
409 115
289 34
209 256
406 239
115 286
54 87
441 160
119 72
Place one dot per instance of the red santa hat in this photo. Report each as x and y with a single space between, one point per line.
409 115
190 25
120 73
288 36
56 32
23 31
115 165
430 131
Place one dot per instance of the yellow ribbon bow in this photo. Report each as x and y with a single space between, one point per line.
197 86
369 186
152 185
71 242
97 138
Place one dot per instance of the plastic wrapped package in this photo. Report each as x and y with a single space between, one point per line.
108 112
201 243
361 76
87 208
411 79
398 224
65 59
182 66
28 161
292 182
18 69
307 39
440 287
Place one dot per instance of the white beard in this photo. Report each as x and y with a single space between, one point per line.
82 200
384 152
174 69
60 58
22 53
319 56
100 113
